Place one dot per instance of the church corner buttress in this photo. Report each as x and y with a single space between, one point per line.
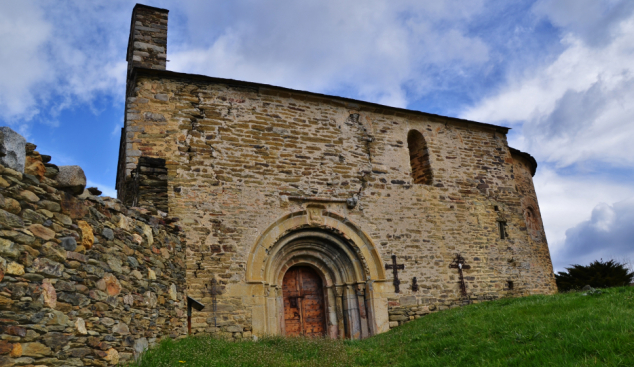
308 214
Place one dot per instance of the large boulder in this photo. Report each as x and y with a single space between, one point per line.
71 178
12 149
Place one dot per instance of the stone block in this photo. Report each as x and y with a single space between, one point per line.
42 232
12 149
233 329
48 267
10 220
408 301
72 179
9 249
49 294
140 346
36 350
399 318
54 252
14 268
69 243
87 235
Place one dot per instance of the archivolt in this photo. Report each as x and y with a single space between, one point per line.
334 245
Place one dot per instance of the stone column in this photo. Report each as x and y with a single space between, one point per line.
352 307
368 296
363 315
280 311
341 321
377 300
272 310
331 301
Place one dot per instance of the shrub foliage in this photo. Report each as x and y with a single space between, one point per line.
598 274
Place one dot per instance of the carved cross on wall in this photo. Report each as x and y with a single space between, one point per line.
459 263
395 267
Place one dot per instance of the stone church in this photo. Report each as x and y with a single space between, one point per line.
309 214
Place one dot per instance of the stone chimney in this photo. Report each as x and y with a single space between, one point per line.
147 46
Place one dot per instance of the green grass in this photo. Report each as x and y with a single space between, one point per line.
569 329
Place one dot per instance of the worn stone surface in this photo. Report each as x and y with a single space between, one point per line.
16 351
12 149
49 294
80 326
29 196
35 350
112 285
112 356
69 243
5 347
71 178
14 268
87 236
140 346
34 166
9 249
42 232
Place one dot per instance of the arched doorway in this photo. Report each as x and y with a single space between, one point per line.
303 294
345 261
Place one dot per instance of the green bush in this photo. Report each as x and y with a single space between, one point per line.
598 274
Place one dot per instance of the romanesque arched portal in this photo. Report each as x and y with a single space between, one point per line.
342 256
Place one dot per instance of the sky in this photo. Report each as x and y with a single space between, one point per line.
560 73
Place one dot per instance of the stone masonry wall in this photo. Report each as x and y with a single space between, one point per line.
84 280
147 46
147 187
236 152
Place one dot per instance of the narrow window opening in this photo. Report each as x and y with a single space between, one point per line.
419 158
502 228
509 284
496 208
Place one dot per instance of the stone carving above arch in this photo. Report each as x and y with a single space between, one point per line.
315 214
319 238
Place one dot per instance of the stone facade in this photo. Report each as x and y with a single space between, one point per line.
263 178
84 280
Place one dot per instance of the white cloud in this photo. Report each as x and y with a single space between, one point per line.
23 34
609 231
567 200
57 55
577 108
593 20
325 46
574 111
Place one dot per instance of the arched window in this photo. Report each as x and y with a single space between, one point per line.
419 158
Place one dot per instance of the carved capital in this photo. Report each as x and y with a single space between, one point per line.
339 291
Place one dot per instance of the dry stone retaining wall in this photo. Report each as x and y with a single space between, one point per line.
84 280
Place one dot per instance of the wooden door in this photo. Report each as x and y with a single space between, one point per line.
303 302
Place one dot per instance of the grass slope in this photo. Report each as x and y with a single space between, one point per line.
570 329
